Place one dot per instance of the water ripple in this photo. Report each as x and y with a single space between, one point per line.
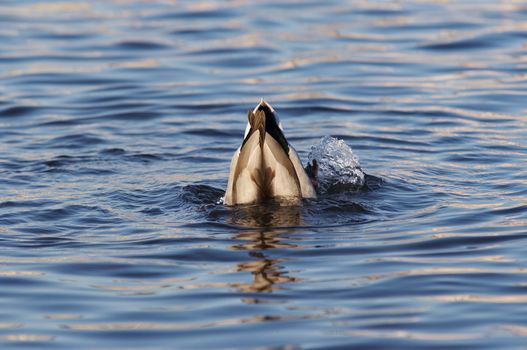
118 121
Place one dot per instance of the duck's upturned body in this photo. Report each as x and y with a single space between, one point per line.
265 165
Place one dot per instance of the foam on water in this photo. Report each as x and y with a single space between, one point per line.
338 166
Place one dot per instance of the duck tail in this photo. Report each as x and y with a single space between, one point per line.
257 122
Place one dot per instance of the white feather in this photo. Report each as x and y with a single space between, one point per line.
308 191
284 184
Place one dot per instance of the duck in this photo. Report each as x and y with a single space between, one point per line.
266 166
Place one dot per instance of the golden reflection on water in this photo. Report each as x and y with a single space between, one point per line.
443 260
9 325
500 299
369 333
161 326
516 330
268 228
26 338
131 288
21 273
142 289
266 274
49 7
63 316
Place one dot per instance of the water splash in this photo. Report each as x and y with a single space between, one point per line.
338 166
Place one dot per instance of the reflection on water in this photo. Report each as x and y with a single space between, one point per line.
265 231
266 273
269 215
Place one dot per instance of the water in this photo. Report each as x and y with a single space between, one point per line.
118 120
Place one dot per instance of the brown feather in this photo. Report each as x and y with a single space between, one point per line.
263 180
257 122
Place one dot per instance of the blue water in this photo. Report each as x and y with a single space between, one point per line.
118 120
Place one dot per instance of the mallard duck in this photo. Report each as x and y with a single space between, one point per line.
265 165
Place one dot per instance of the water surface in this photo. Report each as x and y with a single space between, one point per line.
118 120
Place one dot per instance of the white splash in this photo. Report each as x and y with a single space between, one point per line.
338 166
